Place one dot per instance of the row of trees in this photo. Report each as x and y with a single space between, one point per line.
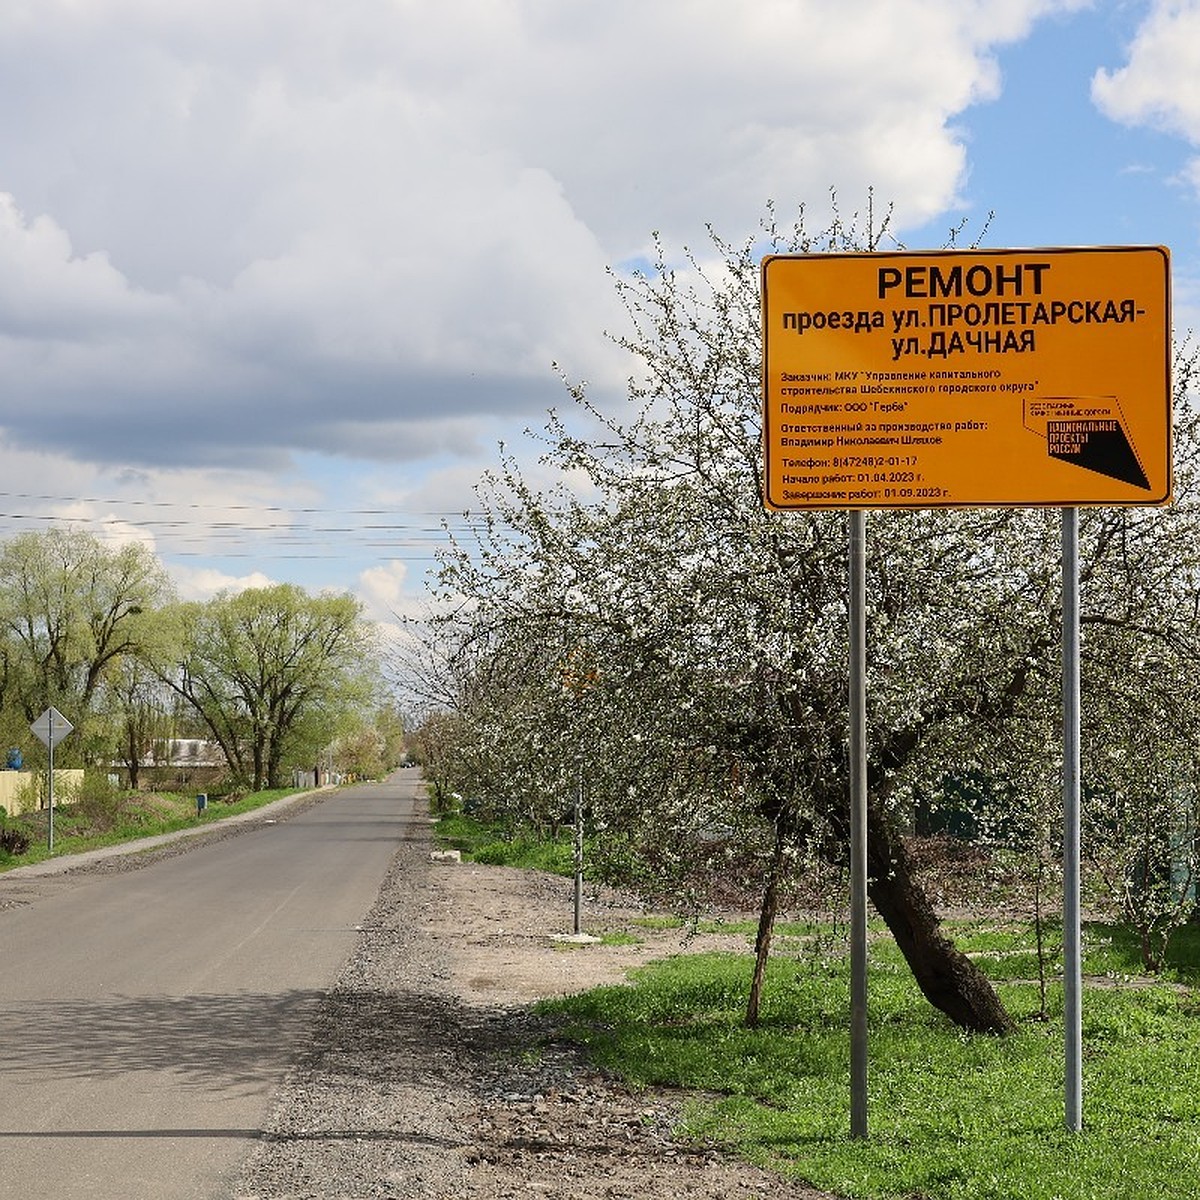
647 621
272 675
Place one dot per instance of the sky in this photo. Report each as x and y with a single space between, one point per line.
278 276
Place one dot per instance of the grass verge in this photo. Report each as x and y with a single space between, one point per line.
499 845
953 1117
77 827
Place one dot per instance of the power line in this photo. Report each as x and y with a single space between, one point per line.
414 536
189 504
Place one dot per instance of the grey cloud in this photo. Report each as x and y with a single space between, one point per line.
245 228
256 420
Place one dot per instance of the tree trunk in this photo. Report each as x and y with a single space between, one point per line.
259 764
274 765
766 926
133 758
948 979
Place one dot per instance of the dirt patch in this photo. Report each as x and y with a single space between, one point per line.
553 1126
428 1076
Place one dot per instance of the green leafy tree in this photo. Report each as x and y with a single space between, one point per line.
392 727
72 609
272 672
142 712
359 751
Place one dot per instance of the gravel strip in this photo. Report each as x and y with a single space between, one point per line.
375 1106
428 1076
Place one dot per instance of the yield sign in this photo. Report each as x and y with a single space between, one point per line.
51 727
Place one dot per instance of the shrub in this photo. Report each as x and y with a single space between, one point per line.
30 794
99 804
13 841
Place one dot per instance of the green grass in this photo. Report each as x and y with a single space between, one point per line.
1005 950
619 937
497 846
73 833
1113 950
953 1117
658 922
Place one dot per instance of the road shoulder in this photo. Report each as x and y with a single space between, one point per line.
428 1076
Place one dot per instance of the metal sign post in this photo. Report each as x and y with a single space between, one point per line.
577 852
50 729
1072 958
858 825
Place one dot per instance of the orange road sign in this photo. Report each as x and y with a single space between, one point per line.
967 378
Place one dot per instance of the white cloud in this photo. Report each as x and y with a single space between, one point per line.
202 583
249 229
184 516
388 604
111 529
1160 84
49 292
383 592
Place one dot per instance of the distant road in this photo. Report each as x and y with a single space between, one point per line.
148 1016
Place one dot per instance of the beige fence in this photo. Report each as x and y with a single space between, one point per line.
23 791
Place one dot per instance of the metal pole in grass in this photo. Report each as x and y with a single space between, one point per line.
50 777
1072 965
858 824
577 851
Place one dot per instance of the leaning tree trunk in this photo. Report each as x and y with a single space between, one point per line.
949 980
766 927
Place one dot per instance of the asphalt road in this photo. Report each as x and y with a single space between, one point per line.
148 1016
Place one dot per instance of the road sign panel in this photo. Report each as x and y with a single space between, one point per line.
967 378
51 727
